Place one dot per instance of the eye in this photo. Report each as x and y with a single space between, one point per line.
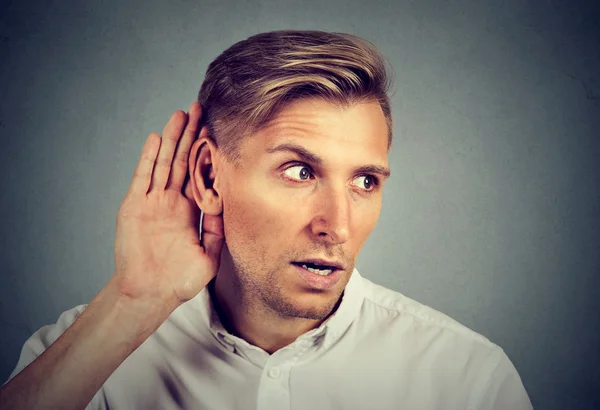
298 172
369 182
302 172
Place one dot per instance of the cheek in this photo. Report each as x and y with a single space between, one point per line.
256 218
364 222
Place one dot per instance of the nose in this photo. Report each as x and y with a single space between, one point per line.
332 216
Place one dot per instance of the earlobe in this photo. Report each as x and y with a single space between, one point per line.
203 174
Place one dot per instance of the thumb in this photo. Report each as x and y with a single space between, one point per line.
187 188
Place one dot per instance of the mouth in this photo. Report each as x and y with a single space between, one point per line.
322 270
318 276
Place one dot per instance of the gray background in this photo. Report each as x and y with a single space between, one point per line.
492 212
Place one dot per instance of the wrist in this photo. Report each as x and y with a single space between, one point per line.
136 318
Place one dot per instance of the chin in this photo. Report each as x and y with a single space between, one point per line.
313 305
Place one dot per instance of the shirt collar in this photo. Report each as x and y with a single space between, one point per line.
330 330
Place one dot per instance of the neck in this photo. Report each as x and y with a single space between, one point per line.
244 315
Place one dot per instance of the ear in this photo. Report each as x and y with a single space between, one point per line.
203 168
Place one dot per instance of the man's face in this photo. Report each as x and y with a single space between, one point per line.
280 207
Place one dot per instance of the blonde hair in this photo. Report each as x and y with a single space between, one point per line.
248 84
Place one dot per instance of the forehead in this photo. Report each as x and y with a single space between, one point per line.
321 125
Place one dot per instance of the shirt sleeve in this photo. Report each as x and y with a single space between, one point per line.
505 390
43 338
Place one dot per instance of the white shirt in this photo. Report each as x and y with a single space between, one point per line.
380 350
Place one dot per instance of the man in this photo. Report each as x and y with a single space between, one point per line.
286 158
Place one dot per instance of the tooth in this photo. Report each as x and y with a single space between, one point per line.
322 272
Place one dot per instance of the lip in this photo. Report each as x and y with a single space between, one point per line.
317 281
323 262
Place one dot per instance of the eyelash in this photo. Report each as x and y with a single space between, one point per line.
373 178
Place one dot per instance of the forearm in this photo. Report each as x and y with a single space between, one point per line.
72 369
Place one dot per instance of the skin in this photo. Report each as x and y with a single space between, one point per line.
266 220
277 208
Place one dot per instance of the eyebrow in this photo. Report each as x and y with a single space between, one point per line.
308 156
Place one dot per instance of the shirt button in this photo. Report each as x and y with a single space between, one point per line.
274 373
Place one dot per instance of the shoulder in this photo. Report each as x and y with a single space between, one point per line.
406 317
418 343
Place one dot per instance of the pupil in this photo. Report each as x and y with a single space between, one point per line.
303 173
367 182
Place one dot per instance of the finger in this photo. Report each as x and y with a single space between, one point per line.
143 172
179 169
213 236
170 137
